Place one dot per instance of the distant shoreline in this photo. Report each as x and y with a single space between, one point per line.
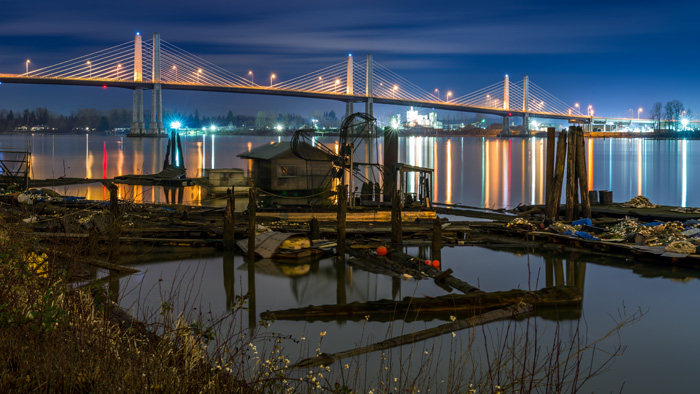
403 133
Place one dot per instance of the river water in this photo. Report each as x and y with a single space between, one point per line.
661 349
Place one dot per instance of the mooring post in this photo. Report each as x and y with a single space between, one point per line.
558 178
582 173
549 170
342 212
570 176
252 204
391 157
229 220
436 248
114 228
314 230
396 235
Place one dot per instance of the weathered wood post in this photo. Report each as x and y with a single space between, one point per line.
549 169
115 224
314 230
391 157
252 205
396 232
229 220
342 212
571 176
555 195
436 247
582 172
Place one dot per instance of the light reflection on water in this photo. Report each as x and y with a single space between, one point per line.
484 172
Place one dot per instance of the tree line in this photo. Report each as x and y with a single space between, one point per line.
669 116
96 120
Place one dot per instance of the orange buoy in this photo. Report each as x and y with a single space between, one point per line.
382 251
436 264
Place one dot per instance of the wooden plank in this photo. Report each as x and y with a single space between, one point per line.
423 308
514 312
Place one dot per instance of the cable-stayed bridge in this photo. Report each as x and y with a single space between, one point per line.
172 68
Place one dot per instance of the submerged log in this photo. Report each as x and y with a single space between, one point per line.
488 317
428 308
403 263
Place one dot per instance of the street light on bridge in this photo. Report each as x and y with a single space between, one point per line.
175 68
393 91
578 108
488 100
199 72
89 68
273 76
590 110
27 66
337 82
118 67
321 79
448 97
437 94
639 111
251 77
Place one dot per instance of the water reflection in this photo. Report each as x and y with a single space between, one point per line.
487 172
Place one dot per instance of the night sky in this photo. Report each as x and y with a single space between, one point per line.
615 55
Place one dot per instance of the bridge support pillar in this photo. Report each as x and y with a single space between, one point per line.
526 106
156 126
137 124
348 86
505 131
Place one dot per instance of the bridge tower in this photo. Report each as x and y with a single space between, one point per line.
156 126
137 125
369 106
506 106
526 106
348 87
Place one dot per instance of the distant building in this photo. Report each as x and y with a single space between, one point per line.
415 119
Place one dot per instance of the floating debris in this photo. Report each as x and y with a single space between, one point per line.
639 202
684 247
520 222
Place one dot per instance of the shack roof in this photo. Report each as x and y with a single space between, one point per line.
272 150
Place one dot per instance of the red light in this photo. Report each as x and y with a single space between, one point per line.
510 114
104 86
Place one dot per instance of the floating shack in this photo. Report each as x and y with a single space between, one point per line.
288 179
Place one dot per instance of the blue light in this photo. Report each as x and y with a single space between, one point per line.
138 34
350 54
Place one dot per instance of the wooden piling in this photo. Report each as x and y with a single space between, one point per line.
554 196
396 233
571 176
229 220
436 247
391 157
252 205
549 172
314 229
582 172
342 213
